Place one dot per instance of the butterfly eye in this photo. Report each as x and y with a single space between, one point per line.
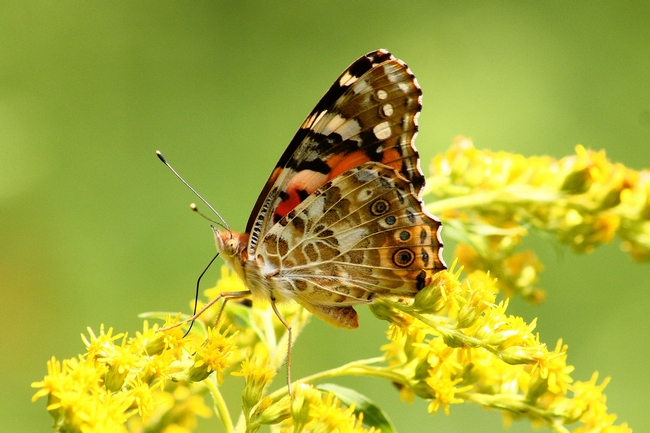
232 246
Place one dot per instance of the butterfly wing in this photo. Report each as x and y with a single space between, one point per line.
369 114
367 231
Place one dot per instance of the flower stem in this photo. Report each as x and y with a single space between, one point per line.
517 405
356 368
508 195
219 404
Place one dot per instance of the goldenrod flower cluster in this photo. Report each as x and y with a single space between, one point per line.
121 379
454 343
490 200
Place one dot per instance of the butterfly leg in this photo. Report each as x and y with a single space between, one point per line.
226 296
289 342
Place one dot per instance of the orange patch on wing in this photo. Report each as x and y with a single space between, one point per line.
391 158
305 180
274 175
350 161
286 206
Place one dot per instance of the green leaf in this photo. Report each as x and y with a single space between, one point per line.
373 415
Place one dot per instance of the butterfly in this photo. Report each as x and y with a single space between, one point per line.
340 221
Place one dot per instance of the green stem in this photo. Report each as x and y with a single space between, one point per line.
356 368
509 195
516 405
220 406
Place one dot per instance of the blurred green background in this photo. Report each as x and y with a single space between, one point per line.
95 230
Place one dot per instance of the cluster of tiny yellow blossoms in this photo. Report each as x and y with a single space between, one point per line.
458 345
453 343
314 411
131 384
156 381
488 201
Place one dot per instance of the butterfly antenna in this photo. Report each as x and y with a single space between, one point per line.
223 222
196 296
194 208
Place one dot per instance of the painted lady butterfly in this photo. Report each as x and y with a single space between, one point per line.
341 222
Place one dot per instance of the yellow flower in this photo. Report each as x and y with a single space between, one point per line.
481 294
143 397
454 342
327 416
445 393
76 399
442 293
213 355
258 373
588 397
101 346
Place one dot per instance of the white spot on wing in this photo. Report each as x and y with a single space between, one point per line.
382 131
313 119
349 129
316 209
333 124
366 175
403 87
346 128
360 87
389 72
347 79
387 110
382 94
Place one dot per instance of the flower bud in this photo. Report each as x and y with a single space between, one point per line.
518 355
577 182
199 370
451 339
156 345
536 388
423 390
428 299
115 376
385 312
276 412
300 406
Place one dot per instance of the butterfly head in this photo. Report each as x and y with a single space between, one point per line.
229 243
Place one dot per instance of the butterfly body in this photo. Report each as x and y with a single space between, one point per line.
340 222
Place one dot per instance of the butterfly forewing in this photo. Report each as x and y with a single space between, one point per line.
369 114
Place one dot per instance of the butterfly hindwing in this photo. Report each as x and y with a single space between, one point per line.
367 231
